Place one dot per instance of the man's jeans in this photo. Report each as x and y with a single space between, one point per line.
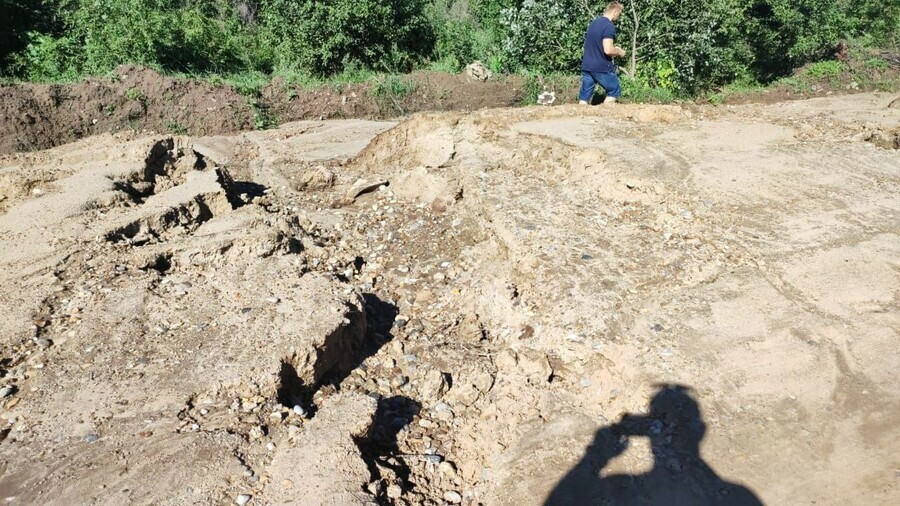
608 80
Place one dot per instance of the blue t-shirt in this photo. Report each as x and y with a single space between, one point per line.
595 60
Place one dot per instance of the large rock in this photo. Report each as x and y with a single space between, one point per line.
476 70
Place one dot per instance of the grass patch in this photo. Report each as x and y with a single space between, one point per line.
449 65
389 85
796 85
263 119
831 69
249 84
134 94
176 128
735 89
389 90
636 90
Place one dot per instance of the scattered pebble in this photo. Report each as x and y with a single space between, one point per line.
447 469
91 438
452 497
242 499
394 492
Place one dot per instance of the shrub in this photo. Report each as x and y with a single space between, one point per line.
177 36
825 69
465 31
322 37
545 36
21 17
679 48
691 49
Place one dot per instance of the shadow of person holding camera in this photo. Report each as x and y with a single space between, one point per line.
679 475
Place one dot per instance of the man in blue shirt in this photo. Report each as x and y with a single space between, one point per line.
597 66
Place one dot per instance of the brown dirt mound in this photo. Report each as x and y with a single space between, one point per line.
41 116
426 91
37 116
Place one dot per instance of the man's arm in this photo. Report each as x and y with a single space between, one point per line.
610 48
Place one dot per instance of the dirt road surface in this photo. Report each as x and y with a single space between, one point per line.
561 305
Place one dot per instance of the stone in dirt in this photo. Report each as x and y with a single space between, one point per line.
317 179
363 186
434 386
476 70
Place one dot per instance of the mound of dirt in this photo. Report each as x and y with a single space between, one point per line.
36 116
139 100
525 306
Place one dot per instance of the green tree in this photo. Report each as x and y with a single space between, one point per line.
322 37
686 48
20 17
171 35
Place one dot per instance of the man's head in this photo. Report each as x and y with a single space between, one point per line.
613 10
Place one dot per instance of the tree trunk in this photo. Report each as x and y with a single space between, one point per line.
634 32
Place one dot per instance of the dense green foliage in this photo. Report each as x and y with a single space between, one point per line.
324 37
677 46
684 48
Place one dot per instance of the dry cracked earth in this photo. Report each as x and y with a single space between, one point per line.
561 305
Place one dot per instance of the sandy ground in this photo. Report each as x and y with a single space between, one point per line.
562 305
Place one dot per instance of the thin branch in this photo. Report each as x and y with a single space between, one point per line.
634 34
586 5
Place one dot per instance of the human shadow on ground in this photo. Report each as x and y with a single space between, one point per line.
679 476
379 447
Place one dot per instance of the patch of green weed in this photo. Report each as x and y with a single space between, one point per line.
249 84
715 98
830 70
175 127
449 65
393 86
389 89
135 94
263 119
877 64
638 90
794 84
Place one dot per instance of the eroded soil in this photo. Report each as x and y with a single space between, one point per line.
638 304
139 101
